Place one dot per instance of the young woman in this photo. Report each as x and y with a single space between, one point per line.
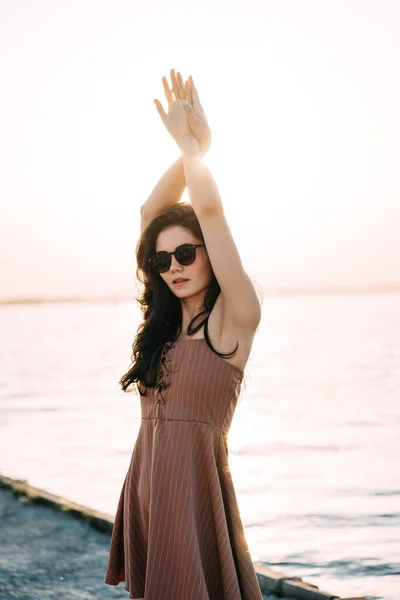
177 533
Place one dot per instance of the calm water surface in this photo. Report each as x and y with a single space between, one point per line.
314 445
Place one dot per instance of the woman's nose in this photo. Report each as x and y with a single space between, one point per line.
174 262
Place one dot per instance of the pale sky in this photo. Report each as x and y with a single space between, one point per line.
303 102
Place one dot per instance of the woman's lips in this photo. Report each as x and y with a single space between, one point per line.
180 282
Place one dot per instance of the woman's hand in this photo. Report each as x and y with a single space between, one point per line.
197 119
185 118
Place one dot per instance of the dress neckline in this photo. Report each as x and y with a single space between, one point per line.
238 369
190 340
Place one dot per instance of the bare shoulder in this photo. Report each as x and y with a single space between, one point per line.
224 336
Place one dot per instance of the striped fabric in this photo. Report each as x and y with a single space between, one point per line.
177 533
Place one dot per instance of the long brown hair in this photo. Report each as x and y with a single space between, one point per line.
161 309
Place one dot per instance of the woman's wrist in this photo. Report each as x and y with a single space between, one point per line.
190 146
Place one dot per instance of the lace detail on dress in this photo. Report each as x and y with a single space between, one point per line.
163 372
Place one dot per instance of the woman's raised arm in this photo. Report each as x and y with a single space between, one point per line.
167 192
169 189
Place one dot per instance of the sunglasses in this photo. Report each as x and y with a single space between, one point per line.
185 254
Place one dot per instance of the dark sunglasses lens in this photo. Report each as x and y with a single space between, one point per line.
161 262
185 254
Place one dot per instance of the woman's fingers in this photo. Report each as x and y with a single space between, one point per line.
168 92
160 109
175 85
188 95
182 93
195 97
195 93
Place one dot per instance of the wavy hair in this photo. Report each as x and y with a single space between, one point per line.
161 309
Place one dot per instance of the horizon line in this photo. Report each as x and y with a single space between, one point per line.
269 291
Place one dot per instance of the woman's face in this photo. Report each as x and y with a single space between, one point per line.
198 274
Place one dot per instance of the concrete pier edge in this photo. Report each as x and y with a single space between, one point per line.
271 582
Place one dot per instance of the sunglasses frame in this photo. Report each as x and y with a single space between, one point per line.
163 252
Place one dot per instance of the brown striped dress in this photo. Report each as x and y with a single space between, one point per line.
177 532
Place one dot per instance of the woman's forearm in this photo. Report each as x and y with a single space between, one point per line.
167 192
202 188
